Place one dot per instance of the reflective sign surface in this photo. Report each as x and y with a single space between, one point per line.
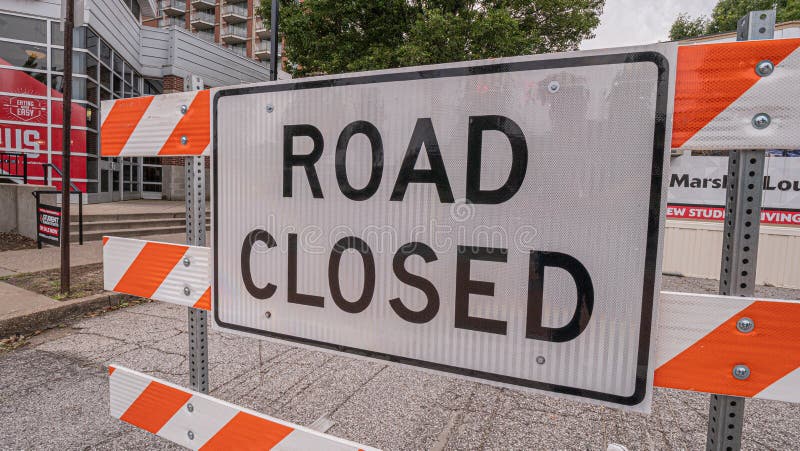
499 220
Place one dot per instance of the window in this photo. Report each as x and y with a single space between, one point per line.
79 61
79 35
23 82
23 28
117 86
105 77
153 87
91 41
29 56
91 66
105 53
78 86
117 64
91 92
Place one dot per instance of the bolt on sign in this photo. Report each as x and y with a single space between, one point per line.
496 221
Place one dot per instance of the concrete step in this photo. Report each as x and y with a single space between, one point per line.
128 224
125 216
139 232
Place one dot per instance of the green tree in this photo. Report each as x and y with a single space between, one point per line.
334 36
727 13
687 27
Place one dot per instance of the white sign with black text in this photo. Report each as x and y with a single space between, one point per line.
420 216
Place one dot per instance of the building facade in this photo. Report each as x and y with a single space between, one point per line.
232 24
115 56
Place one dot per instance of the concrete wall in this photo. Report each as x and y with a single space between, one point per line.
173 182
18 207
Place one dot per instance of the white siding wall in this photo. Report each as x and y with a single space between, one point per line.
115 23
216 65
694 249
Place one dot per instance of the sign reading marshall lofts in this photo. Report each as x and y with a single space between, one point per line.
698 184
48 224
419 216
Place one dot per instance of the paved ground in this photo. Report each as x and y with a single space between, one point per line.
134 206
33 260
54 394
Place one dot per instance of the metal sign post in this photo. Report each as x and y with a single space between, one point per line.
740 242
196 235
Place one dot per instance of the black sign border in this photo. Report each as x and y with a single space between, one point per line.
654 216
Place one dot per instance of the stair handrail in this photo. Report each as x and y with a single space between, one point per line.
7 154
60 174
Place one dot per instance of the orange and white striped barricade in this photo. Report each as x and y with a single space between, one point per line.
198 421
726 96
174 273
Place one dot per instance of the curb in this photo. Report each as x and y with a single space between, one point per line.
42 319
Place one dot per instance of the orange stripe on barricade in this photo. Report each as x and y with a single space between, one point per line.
195 125
150 268
105 240
204 303
120 123
710 77
155 406
248 432
771 351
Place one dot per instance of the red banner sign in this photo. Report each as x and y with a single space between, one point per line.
717 214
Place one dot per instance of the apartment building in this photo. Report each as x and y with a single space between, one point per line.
232 24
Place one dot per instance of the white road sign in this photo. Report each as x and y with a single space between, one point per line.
498 220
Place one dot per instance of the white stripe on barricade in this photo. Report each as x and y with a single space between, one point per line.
199 421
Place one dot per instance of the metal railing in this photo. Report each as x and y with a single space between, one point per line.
178 5
204 35
203 16
240 50
235 9
239 31
172 22
73 190
14 165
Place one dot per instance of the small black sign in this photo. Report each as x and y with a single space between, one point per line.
48 224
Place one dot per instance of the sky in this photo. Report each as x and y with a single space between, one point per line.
634 22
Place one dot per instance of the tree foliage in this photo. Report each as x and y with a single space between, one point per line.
727 13
687 27
334 36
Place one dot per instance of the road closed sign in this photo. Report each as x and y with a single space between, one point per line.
497 220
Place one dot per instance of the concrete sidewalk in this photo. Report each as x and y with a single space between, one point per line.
34 260
22 311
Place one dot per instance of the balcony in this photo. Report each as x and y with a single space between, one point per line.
234 34
168 22
240 50
202 20
234 14
173 7
261 50
262 29
204 4
207 36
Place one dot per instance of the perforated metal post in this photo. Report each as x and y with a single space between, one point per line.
196 235
740 245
